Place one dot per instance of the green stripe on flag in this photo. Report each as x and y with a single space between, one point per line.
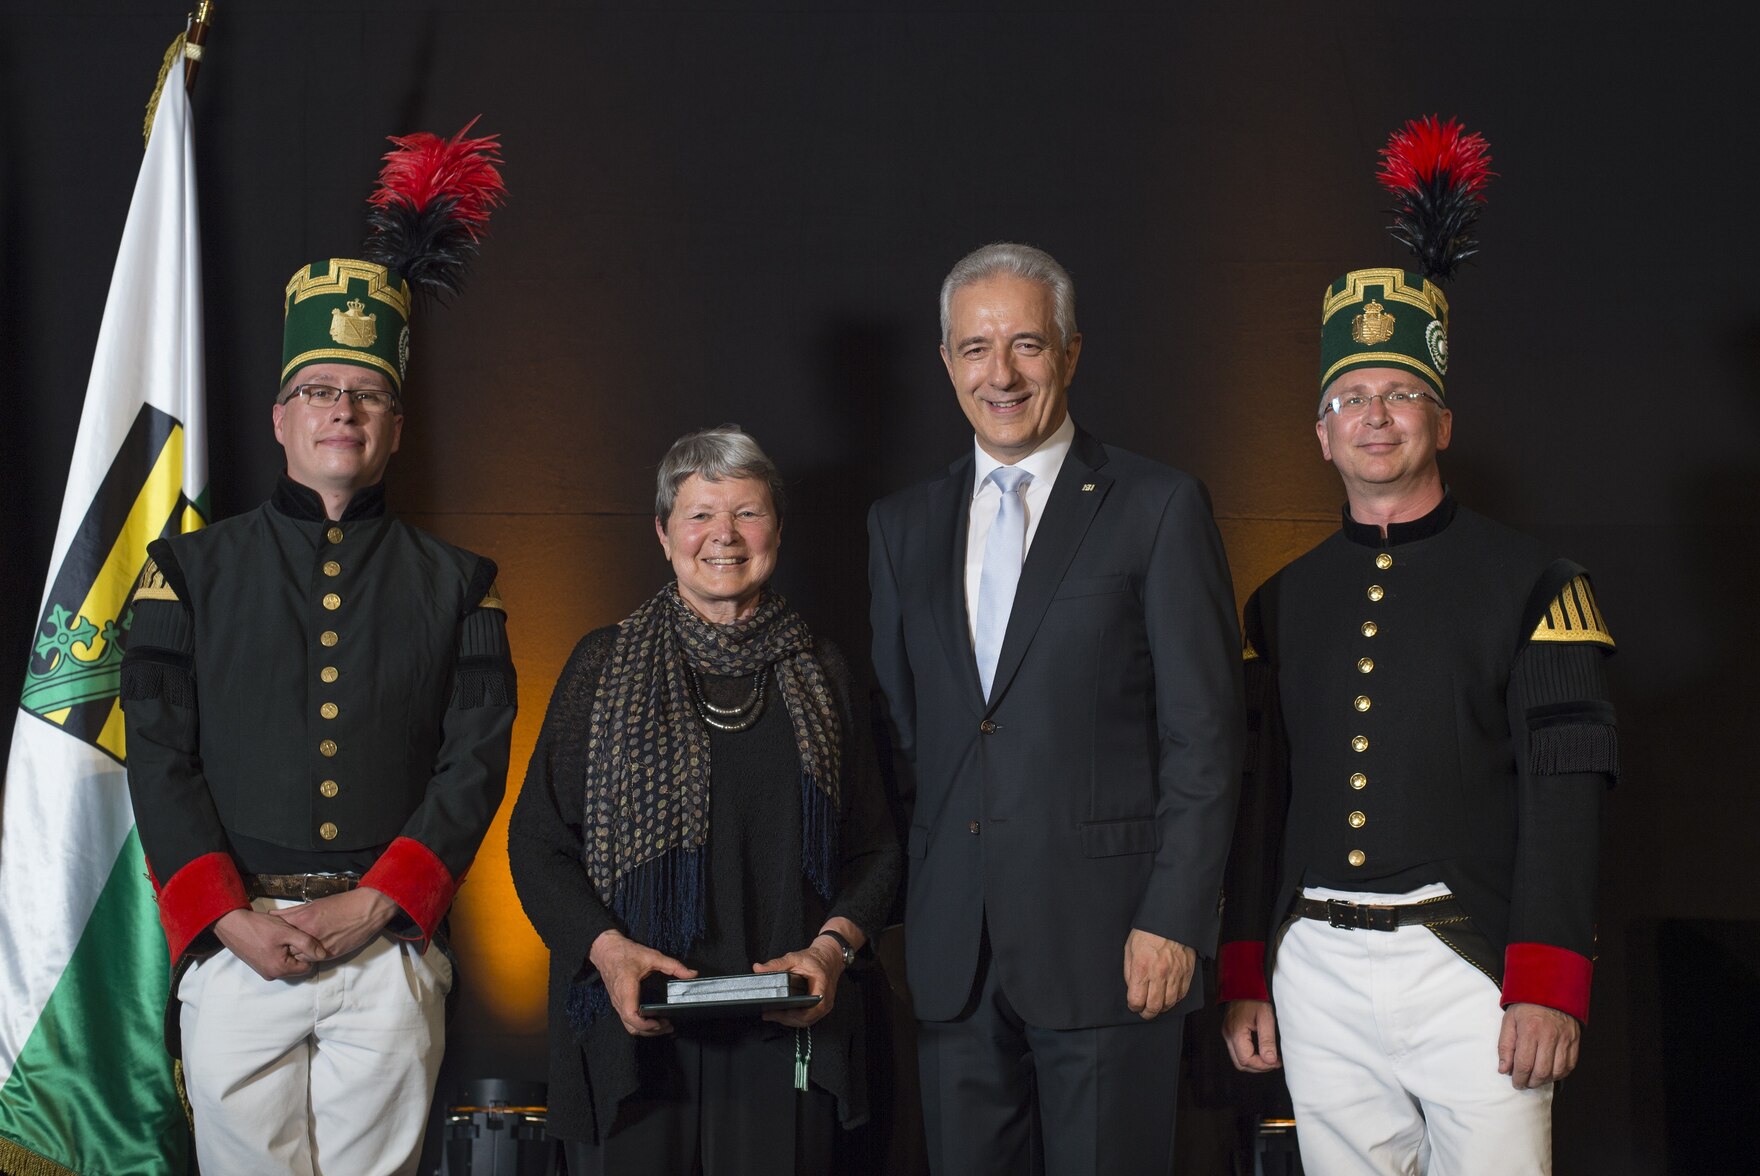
93 1090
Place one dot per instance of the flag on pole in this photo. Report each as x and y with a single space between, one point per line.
86 1086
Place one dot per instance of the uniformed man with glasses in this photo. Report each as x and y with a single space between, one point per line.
1409 927
319 699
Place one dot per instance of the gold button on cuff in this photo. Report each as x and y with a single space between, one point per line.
1362 702
1360 743
328 673
1365 665
1357 820
1384 561
327 748
332 568
328 710
1356 857
1376 592
327 830
1370 628
332 601
972 828
327 638
334 534
328 788
1359 781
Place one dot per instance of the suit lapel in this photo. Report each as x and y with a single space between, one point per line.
949 506
1079 491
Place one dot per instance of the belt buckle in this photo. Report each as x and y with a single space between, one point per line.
1342 914
305 888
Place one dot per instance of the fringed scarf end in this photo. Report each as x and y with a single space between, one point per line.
818 837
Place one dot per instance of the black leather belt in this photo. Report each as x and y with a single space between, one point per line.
1362 916
304 887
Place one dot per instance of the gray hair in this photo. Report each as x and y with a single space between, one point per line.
717 454
1021 261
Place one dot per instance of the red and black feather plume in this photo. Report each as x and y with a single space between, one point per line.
1437 173
432 207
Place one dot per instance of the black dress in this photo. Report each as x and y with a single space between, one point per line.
758 903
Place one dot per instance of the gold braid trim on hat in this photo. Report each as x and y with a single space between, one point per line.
1394 358
304 285
1427 298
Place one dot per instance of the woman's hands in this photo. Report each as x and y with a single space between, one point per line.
821 962
623 964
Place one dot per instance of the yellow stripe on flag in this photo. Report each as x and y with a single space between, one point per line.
110 738
146 518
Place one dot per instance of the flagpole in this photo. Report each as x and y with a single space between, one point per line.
193 43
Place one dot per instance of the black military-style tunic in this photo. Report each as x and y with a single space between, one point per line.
305 695
1428 707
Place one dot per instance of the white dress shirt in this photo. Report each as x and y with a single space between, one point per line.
1043 464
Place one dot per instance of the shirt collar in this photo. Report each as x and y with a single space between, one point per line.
1043 463
299 501
1369 534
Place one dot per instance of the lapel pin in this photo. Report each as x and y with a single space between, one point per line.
1087 486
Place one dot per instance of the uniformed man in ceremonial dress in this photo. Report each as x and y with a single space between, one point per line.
1409 925
319 700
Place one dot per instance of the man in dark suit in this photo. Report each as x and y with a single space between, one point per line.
1055 634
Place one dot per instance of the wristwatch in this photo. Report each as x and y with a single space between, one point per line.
849 953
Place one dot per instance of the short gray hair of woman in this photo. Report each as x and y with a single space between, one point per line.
1021 261
717 454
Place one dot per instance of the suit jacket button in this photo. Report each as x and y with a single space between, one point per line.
988 727
972 828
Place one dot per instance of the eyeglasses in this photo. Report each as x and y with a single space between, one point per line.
373 401
1350 406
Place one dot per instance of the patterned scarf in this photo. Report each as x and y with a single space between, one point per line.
648 770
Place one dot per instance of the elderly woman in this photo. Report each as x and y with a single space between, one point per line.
702 801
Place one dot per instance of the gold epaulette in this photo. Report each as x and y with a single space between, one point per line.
1574 617
1248 653
152 585
493 598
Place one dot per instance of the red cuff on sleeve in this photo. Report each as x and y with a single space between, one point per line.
1538 973
1240 971
195 896
411 876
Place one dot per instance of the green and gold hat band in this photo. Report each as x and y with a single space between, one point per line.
347 311
1384 318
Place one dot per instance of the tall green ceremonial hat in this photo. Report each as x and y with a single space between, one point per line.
347 311
428 214
1399 318
1384 318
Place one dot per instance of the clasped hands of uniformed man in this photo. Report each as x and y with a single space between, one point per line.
290 942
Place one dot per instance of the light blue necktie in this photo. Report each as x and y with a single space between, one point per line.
1004 549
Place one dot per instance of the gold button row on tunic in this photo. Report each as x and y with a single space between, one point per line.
334 534
328 675
1360 743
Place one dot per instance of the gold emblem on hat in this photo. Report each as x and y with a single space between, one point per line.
1373 326
354 329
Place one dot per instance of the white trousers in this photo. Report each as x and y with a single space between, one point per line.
1390 1051
330 1073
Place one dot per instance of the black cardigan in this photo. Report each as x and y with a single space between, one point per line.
758 903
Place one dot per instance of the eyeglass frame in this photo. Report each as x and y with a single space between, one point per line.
1331 403
394 408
